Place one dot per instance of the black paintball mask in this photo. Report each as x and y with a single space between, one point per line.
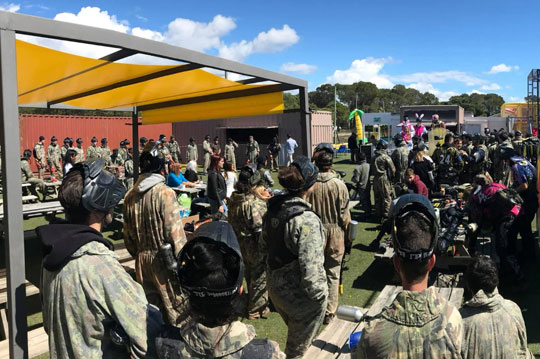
220 233
102 190
250 175
327 147
308 171
151 159
414 205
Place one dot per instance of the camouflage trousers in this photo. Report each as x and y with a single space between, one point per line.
206 162
383 197
255 273
55 163
37 183
252 156
174 156
333 255
160 290
302 315
274 164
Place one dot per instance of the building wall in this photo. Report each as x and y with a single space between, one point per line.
321 128
115 129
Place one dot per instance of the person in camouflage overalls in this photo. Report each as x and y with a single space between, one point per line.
293 237
479 158
252 150
174 149
230 147
246 211
53 157
192 153
39 154
68 145
210 273
85 291
93 152
501 170
400 158
151 219
330 200
27 176
129 171
448 161
493 326
419 323
383 170
105 152
80 150
122 155
207 153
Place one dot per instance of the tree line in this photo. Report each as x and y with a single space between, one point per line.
367 97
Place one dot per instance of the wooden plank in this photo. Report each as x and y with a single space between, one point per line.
38 344
385 298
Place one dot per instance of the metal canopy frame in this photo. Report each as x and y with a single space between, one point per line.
12 24
533 99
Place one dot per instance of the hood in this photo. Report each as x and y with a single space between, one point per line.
414 308
237 197
60 241
219 341
381 152
147 181
490 302
325 176
276 202
416 179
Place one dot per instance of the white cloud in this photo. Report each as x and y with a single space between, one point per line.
439 77
491 87
273 40
11 7
516 99
303 69
476 92
94 16
425 87
147 34
502 68
363 70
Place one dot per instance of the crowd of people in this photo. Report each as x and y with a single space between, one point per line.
187 294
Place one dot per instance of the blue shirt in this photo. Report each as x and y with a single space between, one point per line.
290 145
174 180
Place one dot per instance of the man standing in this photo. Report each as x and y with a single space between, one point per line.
151 223
129 171
353 147
105 152
122 155
142 143
216 148
290 146
230 156
501 171
53 158
27 176
363 186
400 157
93 151
192 153
39 155
80 150
330 200
252 150
419 323
80 266
207 152
63 150
448 161
273 150
383 169
174 149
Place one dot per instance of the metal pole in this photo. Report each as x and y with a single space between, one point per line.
335 114
135 135
13 216
305 121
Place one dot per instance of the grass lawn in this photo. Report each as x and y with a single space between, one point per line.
363 281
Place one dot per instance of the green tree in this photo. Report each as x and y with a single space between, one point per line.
290 101
322 96
360 95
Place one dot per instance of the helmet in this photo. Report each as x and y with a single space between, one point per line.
216 138
143 140
102 190
308 171
53 138
151 160
104 140
66 140
41 138
327 147
420 205
398 139
191 139
79 140
507 153
220 233
382 145
162 138
250 175
207 137
517 134
94 139
27 154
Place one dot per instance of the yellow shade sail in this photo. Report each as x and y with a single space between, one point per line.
46 75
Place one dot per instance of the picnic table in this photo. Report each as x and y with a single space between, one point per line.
333 342
38 209
193 192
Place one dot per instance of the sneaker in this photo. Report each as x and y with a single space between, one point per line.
328 318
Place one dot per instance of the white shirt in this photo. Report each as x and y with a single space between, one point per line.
290 145
230 181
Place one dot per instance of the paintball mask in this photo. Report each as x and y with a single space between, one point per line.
327 147
151 159
102 190
308 171
250 175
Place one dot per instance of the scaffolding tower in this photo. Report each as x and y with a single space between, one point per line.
533 99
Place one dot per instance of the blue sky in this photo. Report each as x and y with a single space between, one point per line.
445 47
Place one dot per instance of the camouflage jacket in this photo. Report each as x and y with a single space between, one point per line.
206 147
122 156
63 151
194 340
192 154
493 328
447 157
128 168
416 325
229 152
86 298
26 172
105 154
53 152
80 154
400 158
246 214
382 165
39 152
330 200
216 148
252 147
93 153
173 147
480 161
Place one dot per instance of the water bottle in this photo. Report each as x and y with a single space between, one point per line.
349 313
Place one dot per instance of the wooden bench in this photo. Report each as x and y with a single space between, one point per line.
333 342
38 344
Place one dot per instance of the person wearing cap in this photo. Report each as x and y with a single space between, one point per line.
252 150
174 149
479 161
210 272
122 155
293 237
501 171
493 326
80 150
400 158
27 176
93 151
517 143
448 162
207 153
192 153
419 323
105 152
39 155
152 219
329 198
246 212
142 142
216 148
67 146
273 151
53 158
85 291
230 147
383 170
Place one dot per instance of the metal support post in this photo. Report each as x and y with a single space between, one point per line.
13 216
305 121
135 135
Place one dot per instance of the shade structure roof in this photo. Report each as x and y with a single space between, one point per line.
164 93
